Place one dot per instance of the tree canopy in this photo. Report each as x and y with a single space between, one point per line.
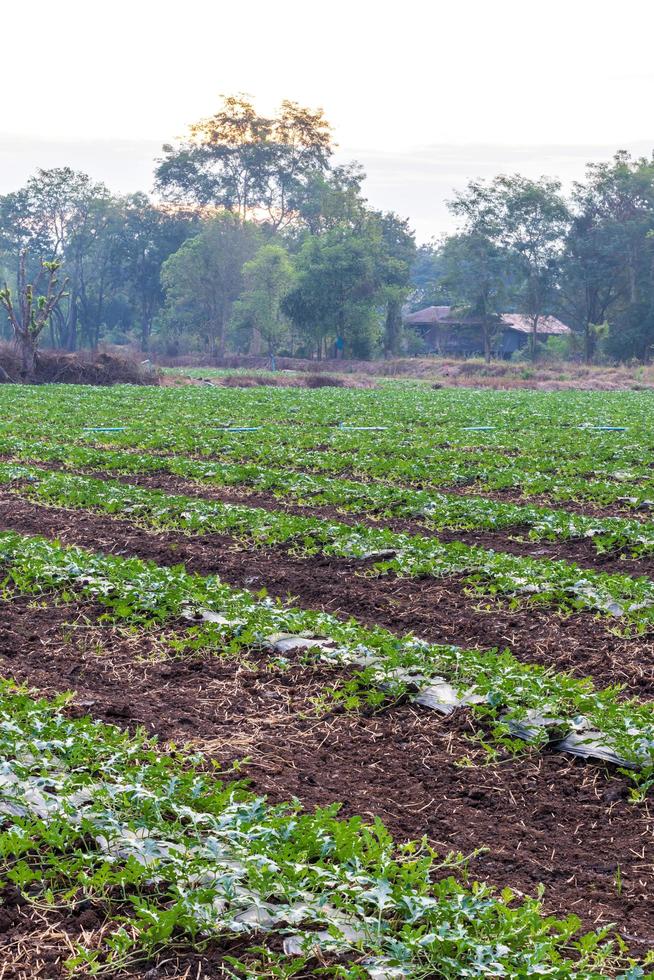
258 241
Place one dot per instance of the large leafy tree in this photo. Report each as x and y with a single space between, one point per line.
528 218
592 281
395 255
609 258
336 292
268 279
351 281
255 166
478 275
204 278
150 234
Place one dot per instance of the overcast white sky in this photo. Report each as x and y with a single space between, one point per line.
426 94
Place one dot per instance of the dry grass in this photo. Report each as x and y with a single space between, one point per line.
445 372
100 367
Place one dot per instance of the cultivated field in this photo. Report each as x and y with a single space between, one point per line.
362 682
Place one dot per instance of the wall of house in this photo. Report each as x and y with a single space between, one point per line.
513 340
460 340
463 341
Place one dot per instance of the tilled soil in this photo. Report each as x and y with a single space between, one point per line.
35 944
440 610
589 508
512 540
514 495
542 817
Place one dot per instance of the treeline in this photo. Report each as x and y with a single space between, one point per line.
523 246
256 242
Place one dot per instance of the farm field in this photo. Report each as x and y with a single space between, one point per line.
326 682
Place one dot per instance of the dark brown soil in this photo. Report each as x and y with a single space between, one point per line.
35 944
440 610
589 508
543 818
514 541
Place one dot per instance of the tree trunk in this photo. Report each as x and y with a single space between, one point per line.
588 347
532 337
71 338
393 328
487 342
145 335
220 345
27 346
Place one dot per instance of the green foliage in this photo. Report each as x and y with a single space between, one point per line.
347 280
268 280
247 163
204 278
169 853
525 221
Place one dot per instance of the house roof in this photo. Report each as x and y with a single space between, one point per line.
546 324
511 321
431 314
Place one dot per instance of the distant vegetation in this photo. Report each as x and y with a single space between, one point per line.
257 243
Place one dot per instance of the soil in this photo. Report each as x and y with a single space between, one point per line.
440 610
544 818
513 540
514 495
35 944
588 508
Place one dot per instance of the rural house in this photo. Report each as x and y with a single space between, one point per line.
445 332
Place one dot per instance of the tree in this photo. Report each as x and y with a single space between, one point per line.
58 216
150 234
396 255
527 217
477 274
248 164
30 312
428 277
337 291
332 199
609 260
592 280
204 278
268 278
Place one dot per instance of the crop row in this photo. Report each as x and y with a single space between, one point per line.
520 701
439 511
507 419
558 583
306 435
169 853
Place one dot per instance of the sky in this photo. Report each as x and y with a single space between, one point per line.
426 94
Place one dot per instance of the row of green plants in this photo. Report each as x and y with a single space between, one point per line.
167 854
438 511
558 583
426 437
519 703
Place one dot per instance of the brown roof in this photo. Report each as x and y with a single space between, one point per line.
431 314
546 324
512 321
